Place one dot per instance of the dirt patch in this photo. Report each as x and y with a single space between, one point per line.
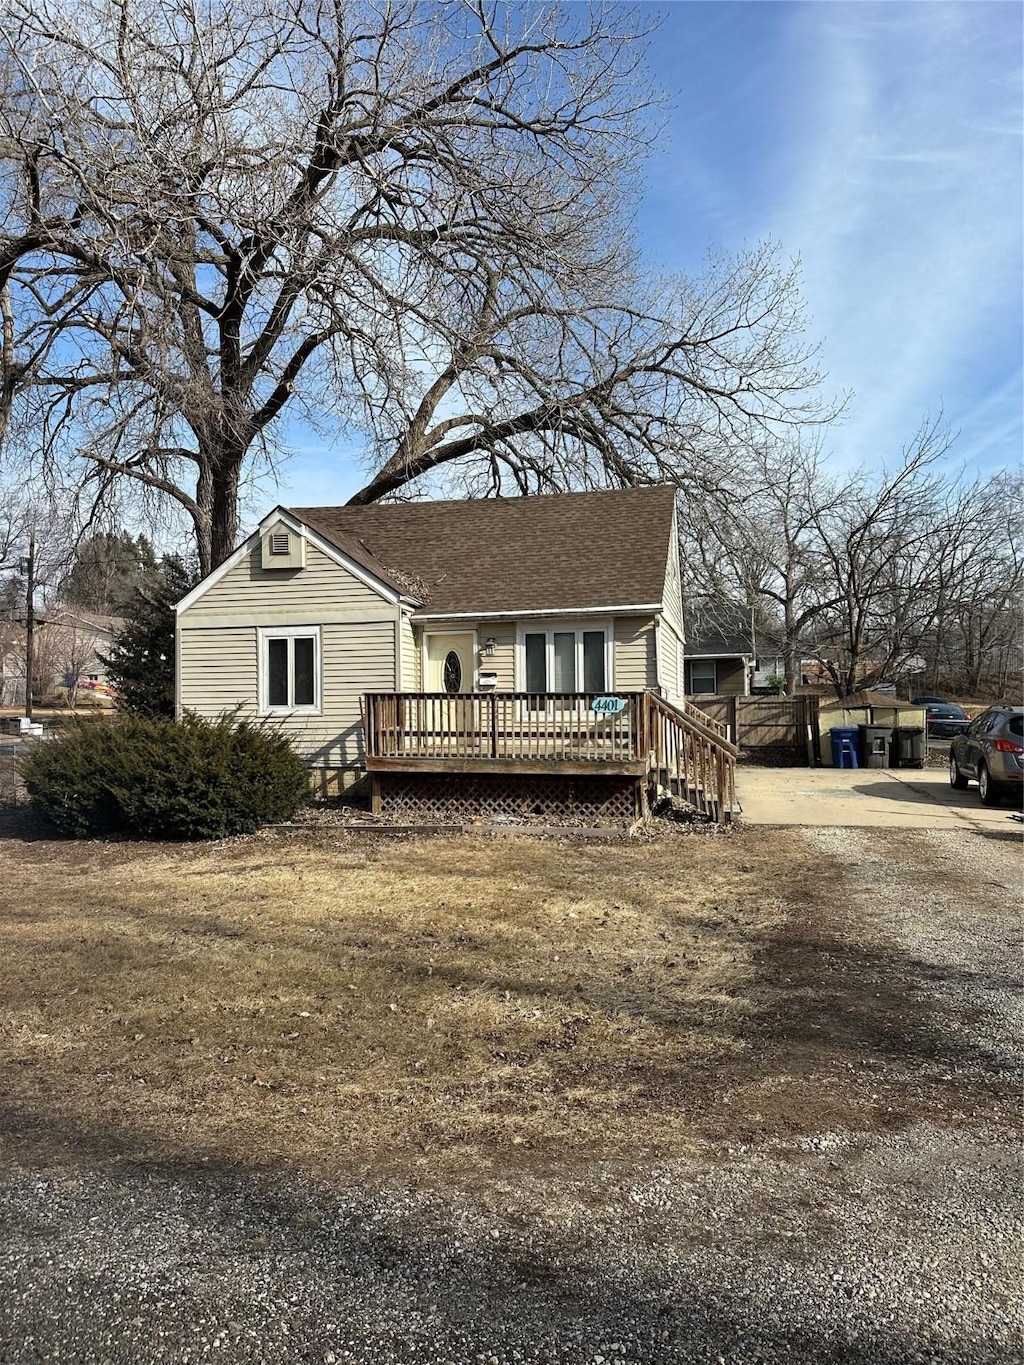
447 1005
317 1002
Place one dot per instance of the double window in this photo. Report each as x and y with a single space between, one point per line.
565 660
289 669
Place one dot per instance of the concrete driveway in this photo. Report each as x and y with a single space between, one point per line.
866 798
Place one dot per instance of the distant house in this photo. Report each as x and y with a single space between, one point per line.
719 660
723 660
441 636
68 646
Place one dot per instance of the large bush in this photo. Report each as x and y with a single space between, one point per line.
165 779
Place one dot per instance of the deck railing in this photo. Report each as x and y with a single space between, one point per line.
553 726
690 756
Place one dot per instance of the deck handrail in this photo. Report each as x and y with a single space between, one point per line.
692 716
689 755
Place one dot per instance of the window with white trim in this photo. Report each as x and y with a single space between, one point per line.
289 669
565 660
703 676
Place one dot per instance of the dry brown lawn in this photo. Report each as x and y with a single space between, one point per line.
334 1002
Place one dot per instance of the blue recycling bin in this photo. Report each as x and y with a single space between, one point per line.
844 745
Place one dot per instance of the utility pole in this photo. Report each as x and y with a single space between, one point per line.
30 615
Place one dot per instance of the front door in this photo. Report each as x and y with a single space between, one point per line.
450 662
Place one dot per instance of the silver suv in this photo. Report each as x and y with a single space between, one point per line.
991 750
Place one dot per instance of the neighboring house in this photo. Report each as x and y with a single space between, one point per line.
719 661
324 609
71 643
721 658
67 648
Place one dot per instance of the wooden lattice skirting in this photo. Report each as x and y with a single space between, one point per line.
456 798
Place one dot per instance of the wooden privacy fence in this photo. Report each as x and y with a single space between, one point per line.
768 722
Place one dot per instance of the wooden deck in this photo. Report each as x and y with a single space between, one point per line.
650 746
480 731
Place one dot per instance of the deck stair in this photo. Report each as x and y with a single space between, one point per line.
691 758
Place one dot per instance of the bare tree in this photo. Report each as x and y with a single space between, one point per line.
886 547
758 552
978 640
863 573
408 220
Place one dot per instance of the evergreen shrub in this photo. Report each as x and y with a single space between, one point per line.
164 779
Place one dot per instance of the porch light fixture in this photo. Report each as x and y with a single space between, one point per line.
488 646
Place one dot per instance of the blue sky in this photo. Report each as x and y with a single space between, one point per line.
881 144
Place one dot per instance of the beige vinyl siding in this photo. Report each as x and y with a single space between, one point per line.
672 635
669 661
219 671
503 660
635 662
672 601
321 587
410 649
218 648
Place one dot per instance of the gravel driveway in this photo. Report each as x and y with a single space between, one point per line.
859 1244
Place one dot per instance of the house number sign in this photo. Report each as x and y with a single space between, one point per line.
608 706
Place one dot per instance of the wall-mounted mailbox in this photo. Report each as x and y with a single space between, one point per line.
487 678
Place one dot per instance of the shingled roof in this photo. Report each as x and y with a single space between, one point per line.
557 552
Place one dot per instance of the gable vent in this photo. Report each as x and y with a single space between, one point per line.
279 543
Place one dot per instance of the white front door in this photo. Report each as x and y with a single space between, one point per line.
450 662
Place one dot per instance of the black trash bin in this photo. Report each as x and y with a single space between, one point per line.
908 744
875 745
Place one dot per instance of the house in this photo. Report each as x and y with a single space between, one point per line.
432 640
719 659
69 646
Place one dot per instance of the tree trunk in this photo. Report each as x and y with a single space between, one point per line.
216 521
224 511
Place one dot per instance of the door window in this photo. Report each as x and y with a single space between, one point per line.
536 663
563 656
593 661
452 672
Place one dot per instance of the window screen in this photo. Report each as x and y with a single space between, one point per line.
304 691
291 671
702 678
277 672
536 664
564 661
593 661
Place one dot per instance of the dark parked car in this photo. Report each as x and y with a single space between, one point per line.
944 718
991 751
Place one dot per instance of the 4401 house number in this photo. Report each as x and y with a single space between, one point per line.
608 706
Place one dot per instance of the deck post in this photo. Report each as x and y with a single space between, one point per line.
494 725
